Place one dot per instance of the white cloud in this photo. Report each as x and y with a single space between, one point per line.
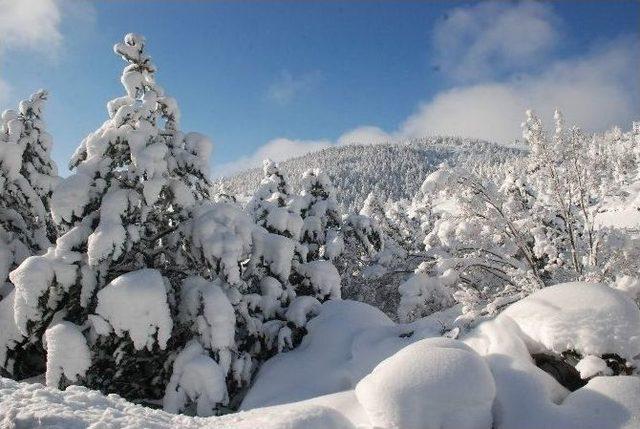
28 25
278 150
288 87
474 42
32 24
595 92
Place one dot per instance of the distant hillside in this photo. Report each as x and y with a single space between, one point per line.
393 170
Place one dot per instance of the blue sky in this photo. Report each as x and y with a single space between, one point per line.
279 79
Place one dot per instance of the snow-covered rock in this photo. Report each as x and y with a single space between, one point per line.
436 383
591 319
529 398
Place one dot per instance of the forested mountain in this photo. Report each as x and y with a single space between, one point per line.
390 170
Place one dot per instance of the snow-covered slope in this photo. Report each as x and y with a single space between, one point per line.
393 170
358 369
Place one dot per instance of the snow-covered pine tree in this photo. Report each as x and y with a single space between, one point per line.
321 216
213 305
37 165
314 277
269 270
112 279
363 242
27 177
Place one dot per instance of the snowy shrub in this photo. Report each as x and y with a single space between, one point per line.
495 238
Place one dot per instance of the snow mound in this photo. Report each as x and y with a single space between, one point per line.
592 319
436 383
344 343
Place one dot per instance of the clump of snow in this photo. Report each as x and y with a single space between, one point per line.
70 197
33 279
273 250
108 240
282 220
206 304
222 232
10 336
323 277
67 353
136 303
436 383
590 366
591 319
196 378
300 308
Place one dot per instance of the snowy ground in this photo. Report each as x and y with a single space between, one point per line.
358 369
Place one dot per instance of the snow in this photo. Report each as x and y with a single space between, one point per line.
197 378
273 250
34 406
222 232
206 304
70 197
529 398
10 336
67 353
344 343
108 240
590 366
323 277
436 383
136 303
33 279
592 319
283 221
300 308
358 369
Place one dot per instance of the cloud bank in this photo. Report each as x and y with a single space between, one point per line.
498 58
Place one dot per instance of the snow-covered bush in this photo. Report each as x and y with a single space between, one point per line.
495 238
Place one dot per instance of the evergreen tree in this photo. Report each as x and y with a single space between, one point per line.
27 177
115 274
